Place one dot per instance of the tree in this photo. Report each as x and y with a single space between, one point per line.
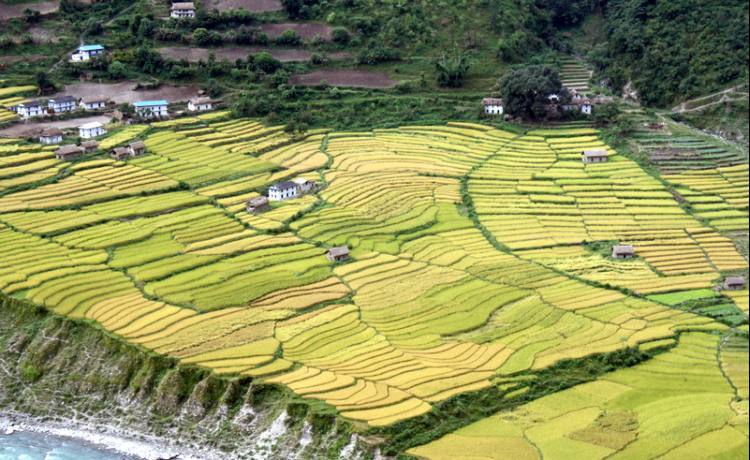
341 36
298 9
265 62
526 91
44 83
452 70
117 70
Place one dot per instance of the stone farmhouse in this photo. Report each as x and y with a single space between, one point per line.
305 185
338 254
137 148
68 152
594 156
257 205
152 109
492 106
90 130
86 52
93 103
120 153
182 10
90 146
200 104
623 251
31 109
50 136
734 283
61 104
283 191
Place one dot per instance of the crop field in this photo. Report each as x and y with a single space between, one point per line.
476 254
679 405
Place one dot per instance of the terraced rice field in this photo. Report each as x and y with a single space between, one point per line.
679 405
471 258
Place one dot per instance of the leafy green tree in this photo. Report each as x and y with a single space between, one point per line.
117 70
340 36
526 91
44 83
452 70
266 63
289 38
298 9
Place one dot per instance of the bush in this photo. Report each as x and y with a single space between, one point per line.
289 38
265 62
340 36
452 70
117 70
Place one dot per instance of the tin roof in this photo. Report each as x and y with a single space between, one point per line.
339 251
734 280
62 99
51 132
286 185
595 153
90 48
492 101
183 6
92 125
623 249
150 103
68 149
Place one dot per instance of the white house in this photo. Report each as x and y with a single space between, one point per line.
183 10
90 130
50 136
492 106
31 109
86 52
594 156
152 109
94 103
283 191
200 104
60 104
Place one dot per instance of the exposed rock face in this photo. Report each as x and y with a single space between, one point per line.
58 370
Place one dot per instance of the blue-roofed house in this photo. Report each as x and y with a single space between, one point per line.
86 52
151 109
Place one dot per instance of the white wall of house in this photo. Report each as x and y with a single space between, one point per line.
276 194
199 107
183 13
29 112
493 109
586 108
156 111
93 105
48 140
62 107
88 132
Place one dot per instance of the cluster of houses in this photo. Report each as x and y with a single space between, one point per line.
493 106
72 151
133 150
59 104
65 104
50 136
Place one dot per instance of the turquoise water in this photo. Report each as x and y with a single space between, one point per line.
34 446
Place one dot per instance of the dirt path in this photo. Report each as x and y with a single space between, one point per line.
726 97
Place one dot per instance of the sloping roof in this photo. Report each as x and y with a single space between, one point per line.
68 149
90 144
623 249
150 103
595 153
301 180
492 101
31 104
286 185
339 251
183 6
137 145
734 280
258 201
62 99
90 48
201 100
51 132
92 125
93 99
121 151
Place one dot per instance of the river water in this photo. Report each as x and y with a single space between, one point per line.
26 445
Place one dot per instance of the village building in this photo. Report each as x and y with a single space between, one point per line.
60 104
492 106
94 103
90 130
200 104
183 10
257 205
594 156
734 283
68 152
50 136
31 109
86 52
338 254
623 251
305 185
137 148
283 191
120 153
152 109
90 146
